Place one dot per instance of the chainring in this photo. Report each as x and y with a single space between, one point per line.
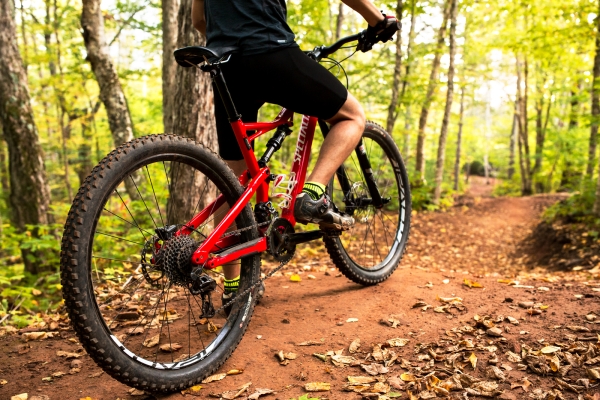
276 235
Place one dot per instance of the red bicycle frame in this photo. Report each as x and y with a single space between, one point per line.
256 180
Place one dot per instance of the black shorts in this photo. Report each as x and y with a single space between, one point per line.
286 77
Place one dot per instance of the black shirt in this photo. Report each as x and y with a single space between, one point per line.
255 26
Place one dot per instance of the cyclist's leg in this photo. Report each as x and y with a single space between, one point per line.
347 127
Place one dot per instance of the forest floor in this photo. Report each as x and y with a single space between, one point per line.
480 251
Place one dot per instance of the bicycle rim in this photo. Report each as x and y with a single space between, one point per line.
147 305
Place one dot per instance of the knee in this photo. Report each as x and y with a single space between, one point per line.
351 111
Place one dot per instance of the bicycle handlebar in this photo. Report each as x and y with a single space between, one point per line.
324 51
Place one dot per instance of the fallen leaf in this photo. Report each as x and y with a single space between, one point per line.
136 392
361 379
230 395
407 377
214 378
194 390
259 392
354 346
352 320
67 354
550 349
235 371
28 336
473 360
317 387
310 343
170 347
449 299
398 342
576 328
3 382
151 342
523 384
22 396
375 369
295 278
472 284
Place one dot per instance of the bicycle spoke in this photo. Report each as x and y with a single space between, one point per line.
143 201
118 238
155 198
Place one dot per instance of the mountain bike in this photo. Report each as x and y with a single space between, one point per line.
153 224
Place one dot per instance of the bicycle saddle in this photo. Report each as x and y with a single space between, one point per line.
186 56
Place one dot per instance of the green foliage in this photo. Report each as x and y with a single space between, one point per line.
576 208
22 295
422 196
511 188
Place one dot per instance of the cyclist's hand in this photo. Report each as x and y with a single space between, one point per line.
382 32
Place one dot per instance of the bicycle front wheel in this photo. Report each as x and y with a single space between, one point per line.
127 278
372 249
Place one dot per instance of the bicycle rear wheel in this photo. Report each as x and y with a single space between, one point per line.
372 249
126 277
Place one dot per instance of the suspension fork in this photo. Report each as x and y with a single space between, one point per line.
367 171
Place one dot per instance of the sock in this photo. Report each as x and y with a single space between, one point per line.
232 285
314 190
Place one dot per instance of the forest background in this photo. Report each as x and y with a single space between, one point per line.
508 89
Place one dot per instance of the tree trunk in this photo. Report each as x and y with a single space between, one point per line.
111 92
29 193
541 124
405 83
433 80
513 138
170 8
339 22
459 139
441 155
392 114
524 157
595 120
193 116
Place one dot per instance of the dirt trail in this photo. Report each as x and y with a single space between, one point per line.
479 243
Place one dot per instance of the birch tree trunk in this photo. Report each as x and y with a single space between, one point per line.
441 155
513 140
193 116
459 138
392 113
29 193
111 92
431 87
170 9
595 120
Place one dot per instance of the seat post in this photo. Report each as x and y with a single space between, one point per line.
219 80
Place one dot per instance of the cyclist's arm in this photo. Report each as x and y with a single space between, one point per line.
198 19
367 9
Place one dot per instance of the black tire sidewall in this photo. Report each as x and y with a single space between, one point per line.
76 274
334 245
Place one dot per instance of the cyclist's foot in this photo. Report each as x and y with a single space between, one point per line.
322 212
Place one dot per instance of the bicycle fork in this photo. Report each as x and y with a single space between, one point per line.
365 166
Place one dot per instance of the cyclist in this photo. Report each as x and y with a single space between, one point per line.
269 67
